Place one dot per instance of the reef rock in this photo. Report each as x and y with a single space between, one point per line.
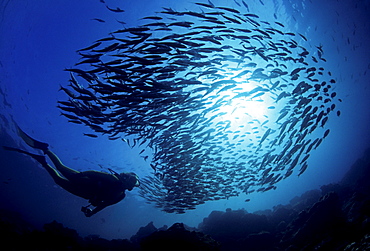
143 232
322 223
178 238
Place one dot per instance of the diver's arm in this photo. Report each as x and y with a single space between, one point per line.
103 204
88 212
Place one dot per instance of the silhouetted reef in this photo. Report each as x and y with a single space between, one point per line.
336 217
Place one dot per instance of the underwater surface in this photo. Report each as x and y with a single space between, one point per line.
213 104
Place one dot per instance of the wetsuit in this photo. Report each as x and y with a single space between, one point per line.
100 188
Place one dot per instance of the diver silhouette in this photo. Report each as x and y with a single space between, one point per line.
99 188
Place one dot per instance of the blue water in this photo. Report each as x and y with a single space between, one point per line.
39 38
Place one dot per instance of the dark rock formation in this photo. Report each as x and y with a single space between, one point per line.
178 238
143 232
323 222
234 226
53 237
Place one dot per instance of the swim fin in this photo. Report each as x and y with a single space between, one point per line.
40 158
32 142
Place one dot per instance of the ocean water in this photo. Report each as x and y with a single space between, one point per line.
39 39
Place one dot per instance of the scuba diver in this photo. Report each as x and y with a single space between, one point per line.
100 188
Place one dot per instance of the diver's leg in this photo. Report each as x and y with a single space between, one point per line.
64 170
41 159
59 180
66 184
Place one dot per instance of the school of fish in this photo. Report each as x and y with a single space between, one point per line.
179 85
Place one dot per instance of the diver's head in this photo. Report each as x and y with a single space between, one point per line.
130 180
